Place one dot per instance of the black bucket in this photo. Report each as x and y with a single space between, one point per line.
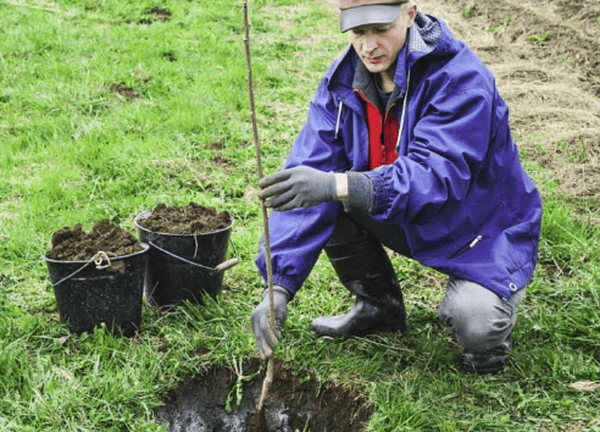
102 290
184 266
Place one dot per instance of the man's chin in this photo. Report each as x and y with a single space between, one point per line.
375 68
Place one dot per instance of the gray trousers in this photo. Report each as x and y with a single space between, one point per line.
480 319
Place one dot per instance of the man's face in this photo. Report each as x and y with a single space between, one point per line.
378 45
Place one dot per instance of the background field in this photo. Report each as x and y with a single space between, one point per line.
109 107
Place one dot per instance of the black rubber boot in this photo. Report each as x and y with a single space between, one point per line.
365 269
487 362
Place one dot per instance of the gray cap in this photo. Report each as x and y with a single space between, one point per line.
355 13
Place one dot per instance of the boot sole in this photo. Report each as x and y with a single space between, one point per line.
377 330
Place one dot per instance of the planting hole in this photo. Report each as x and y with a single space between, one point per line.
225 400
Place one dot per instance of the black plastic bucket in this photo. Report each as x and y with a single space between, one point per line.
102 290
184 266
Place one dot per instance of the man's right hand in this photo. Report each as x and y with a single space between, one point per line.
266 340
301 186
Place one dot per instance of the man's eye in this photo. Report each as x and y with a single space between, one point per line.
381 30
358 32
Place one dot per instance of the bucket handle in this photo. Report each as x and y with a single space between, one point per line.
98 259
225 265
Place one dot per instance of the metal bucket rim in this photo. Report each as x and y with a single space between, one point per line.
146 213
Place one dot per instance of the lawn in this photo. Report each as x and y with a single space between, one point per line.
108 108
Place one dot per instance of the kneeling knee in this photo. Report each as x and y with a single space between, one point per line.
474 336
477 327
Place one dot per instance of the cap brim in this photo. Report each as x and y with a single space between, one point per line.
371 14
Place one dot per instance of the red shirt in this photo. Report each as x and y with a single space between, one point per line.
383 134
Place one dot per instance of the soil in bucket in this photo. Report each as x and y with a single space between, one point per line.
186 244
225 400
98 277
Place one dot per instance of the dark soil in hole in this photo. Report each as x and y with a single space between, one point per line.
188 219
77 245
201 404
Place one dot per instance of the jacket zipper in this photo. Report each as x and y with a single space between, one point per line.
467 246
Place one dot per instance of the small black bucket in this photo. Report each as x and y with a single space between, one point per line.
184 266
102 290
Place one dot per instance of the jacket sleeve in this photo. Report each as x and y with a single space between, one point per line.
447 148
298 236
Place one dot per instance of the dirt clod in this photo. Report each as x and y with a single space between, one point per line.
156 14
188 219
77 245
125 91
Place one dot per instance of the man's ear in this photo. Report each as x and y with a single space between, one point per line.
412 14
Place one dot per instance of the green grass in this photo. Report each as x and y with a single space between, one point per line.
72 150
467 11
503 26
542 37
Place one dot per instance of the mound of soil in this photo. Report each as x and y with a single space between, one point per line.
77 245
223 400
188 219
548 31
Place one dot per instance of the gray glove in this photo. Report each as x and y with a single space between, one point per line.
266 340
300 186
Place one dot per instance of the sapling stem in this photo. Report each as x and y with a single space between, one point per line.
267 241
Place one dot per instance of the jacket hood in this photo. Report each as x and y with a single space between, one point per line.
428 36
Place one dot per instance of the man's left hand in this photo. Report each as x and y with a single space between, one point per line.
300 186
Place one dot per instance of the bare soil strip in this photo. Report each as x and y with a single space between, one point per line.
546 58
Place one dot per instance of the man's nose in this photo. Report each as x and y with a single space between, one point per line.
370 43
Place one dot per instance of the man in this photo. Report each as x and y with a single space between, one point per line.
407 145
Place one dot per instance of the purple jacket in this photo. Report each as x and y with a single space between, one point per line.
457 189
